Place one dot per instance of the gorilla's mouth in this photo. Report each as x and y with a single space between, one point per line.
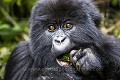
64 60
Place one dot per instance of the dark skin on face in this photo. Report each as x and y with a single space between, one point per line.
65 27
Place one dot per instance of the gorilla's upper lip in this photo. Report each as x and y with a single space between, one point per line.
64 58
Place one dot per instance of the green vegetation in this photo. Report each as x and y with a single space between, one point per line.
14 24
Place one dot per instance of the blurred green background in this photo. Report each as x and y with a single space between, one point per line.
14 23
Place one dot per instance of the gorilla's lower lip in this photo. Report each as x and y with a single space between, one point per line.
63 63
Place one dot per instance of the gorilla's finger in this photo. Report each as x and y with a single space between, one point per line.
73 52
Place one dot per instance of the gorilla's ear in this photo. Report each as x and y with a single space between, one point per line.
93 12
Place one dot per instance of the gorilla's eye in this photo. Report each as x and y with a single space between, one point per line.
68 26
51 28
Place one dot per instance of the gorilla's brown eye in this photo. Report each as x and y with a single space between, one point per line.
68 26
51 28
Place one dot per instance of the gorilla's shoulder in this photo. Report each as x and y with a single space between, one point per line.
22 50
23 44
19 61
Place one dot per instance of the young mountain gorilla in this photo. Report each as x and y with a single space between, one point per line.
65 27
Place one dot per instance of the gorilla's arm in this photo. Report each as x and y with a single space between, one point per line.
19 63
107 59
86 60
112 49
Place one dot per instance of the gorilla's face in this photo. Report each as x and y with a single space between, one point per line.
61 42
60 38
60 27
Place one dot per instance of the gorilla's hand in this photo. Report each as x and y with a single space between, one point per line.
85 60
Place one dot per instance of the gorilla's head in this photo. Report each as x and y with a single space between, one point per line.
59 26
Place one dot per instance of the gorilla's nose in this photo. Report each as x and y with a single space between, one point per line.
60 39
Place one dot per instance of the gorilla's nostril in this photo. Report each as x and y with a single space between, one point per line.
57 41
63 40
60 40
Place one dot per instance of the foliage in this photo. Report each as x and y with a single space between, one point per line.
14 22
115 2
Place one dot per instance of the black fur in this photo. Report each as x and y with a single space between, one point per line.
34 60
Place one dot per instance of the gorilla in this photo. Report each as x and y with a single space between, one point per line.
65 27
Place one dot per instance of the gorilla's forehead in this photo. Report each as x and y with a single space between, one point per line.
55 10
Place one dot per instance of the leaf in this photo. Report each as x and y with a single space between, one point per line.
4 27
